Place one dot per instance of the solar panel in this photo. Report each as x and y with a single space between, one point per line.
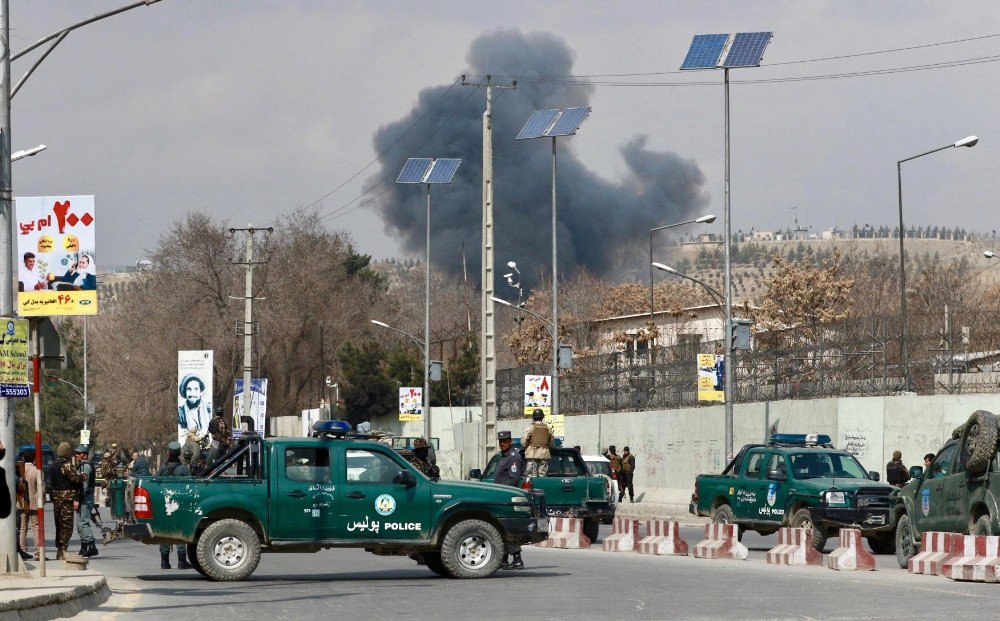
569 121
414 170
747 49
538 122
443 170
705 51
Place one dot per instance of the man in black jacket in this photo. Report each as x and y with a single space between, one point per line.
895 471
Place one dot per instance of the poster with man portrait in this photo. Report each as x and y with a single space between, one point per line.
195 382
537 394
56 255
711 374
411 403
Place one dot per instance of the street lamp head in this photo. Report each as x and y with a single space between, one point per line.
380 323
968 141
512 265
989 254
509 276
664 268
706 219
501 301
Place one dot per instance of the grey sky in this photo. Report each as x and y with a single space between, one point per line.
250 109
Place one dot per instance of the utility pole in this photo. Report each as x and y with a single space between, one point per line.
487 338
248 298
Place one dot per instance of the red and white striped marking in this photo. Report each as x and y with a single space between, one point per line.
794 548
565 533
664 538
935 549
720 542
974 558
849 555
624 537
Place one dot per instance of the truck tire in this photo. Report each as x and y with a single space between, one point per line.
906 547
979 441
803 519
472 549
228 550
983 527
433 562
592 529
192 554
723 514
608 520
883 543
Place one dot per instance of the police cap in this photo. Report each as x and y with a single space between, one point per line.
83 448
174 447
503 435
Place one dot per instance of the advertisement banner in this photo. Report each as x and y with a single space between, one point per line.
195 378
14 359
256 418
537 394
411 403
56 250
310 418
711 370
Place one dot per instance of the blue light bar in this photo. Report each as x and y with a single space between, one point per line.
799 439
333 427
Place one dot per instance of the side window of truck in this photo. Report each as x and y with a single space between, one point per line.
308 464
370 467
778 463
754 463
942 464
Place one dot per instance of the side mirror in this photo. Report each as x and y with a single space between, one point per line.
916 472
777 475
475 473
405 477
874 476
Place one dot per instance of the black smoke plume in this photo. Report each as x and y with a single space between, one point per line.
596 218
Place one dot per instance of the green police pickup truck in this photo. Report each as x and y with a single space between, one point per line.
307 494
570 489
800 481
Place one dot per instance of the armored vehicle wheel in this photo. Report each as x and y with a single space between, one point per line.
592 529
228 550
723 514
883 543
979 441
192 554
433 562
982 527
906 548
472 549
803 519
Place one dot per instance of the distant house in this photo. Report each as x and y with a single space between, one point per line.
705 239
833 233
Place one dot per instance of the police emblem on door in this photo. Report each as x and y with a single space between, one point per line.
925 500
385 504
772 494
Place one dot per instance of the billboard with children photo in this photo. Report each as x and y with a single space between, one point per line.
56 243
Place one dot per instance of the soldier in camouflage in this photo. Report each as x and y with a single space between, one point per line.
106 471
174 468
421 460
67 491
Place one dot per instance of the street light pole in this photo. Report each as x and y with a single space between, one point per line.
701 220
969 141
503 302
714 293
427 323
727 336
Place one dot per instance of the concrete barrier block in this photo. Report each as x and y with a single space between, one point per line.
565 533
663 538
794 548
625 536
974 559
849 555
935 549
721 541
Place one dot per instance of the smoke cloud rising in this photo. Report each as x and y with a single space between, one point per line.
596 217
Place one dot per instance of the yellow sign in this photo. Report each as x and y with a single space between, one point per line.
711 369
14 358
558 424
411 404
44 303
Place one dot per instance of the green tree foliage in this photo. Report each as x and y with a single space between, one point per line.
367 390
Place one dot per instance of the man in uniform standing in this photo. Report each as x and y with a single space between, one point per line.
421 459
628 469
174 468
509 473
87 545
106 471
537 441
895 471
66 496
222 434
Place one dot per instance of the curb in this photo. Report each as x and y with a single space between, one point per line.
56 604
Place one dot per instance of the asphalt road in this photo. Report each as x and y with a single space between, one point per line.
557 584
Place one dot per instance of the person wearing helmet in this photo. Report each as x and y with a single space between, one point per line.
67 491
421 460
538 439
174 468
88 546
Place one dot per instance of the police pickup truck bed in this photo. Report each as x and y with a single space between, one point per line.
307 494
800 481
570 489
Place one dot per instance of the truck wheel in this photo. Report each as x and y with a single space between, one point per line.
906 548
192 554
608 520
979 441
228 550
803 519
982 527
592 530
883 543
434 563
723 514
472 549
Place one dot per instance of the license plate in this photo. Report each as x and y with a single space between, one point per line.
543 525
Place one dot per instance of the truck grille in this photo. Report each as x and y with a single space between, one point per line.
873 498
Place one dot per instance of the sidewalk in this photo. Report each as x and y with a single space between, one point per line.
62 593
660 511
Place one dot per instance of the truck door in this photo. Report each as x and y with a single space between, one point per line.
771 506
374 504
303 505
929 505
748 485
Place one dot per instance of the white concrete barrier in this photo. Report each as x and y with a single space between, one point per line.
794 548
849 555
935 548
565 533
664 538
974 558
624 537
721 541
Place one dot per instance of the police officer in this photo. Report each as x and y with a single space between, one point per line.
174 468
106 471
421 459
66 495
537 440
88 547
222 434
509 473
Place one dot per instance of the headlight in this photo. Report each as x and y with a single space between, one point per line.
519 500
835 498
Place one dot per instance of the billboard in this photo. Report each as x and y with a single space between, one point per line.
56 258
14 359
411 403
537 394
256 418
195 379
711 371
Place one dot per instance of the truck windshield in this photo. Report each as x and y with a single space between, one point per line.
826 465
